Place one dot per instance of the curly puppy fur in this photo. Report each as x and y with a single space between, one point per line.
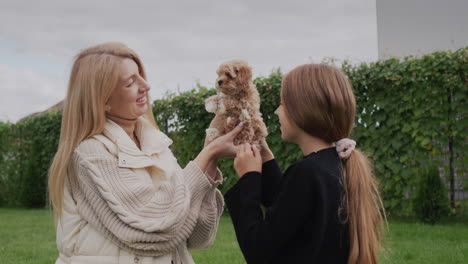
237 101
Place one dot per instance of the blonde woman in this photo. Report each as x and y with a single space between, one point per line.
326 207
118 194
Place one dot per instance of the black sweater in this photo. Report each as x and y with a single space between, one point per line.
302 222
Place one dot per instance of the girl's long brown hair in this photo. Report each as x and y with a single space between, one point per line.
319 99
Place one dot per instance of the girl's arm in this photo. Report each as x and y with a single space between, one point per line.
271 175
259 236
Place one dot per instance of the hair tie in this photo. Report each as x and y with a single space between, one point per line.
344 147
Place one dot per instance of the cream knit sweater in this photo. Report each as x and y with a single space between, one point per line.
144 218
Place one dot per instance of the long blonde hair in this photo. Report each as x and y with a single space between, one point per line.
319 99
94 75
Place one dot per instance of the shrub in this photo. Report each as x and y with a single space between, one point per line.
26 150
431 201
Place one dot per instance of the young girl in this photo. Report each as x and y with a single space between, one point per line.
326 207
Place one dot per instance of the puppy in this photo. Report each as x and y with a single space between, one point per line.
238 101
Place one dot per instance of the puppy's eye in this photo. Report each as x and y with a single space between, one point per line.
228 75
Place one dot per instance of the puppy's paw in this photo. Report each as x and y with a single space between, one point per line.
244 115
211 134
211 107
211 104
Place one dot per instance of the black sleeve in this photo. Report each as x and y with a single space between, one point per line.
271 176
259 237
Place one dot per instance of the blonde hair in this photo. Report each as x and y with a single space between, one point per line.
94 75
319 99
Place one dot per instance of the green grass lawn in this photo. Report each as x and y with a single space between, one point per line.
27 236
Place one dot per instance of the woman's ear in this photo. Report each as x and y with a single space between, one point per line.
107 108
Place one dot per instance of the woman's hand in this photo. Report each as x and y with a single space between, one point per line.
223 146
266 152
248 159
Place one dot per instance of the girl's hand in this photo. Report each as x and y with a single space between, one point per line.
248 159
266 152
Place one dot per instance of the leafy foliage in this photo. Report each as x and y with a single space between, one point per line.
408 113
27 149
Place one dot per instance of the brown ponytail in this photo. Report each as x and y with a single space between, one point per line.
363 206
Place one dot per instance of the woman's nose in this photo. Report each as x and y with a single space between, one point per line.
144 86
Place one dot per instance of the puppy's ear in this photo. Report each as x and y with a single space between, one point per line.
246 74
232 70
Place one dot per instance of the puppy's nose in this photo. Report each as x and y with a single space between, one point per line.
220 82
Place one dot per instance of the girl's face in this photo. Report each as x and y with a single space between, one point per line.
289 130
129 98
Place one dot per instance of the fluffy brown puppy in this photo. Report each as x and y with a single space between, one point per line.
237 101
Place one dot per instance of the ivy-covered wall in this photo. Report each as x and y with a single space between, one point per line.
411 113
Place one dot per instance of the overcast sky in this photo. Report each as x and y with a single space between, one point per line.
180 42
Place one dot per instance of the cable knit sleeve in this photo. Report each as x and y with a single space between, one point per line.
132 213
205 230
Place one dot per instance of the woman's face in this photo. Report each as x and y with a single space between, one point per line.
289 130
129 99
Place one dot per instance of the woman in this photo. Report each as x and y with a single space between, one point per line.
118 194
326 207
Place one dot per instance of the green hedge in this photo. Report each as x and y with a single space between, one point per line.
27 149
411 112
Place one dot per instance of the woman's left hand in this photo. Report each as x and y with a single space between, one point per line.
248 159
223 146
